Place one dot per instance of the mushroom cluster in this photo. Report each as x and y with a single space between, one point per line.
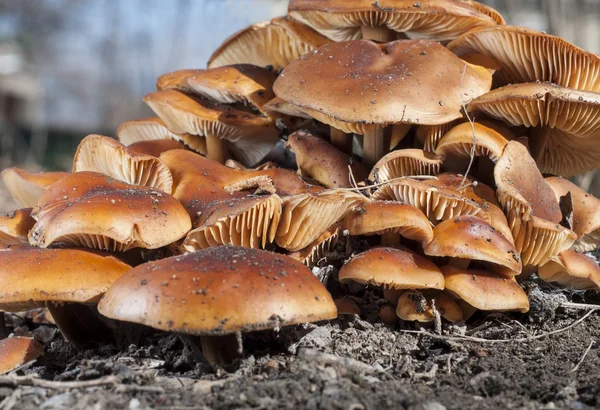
429 145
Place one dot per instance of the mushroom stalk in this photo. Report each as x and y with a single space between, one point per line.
399 131
390 239
341 140
222 350
3 329
80 325
376 145
216 149
381 34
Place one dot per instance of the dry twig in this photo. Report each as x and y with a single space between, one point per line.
472 153
574 369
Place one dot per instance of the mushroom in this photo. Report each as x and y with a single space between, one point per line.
586 213
430 135
318 249
14 227
101 154
370 86
155 147
217 293
92 210
27 187
269 43
405 163
469 238
176 80
530 206
420 306
526 55
346 306
68 281
572 270
323 162
251 137
564 122
386 20
17 351
463 138
485 290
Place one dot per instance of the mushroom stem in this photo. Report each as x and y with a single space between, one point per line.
399 131
341 140
381 34
216 149
3 329
376 145
80 325
390 238
221 350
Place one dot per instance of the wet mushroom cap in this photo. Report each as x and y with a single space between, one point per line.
218 291
393 268
27 187
572 270
17 351
14 227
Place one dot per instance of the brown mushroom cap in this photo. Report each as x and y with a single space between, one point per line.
404 163
485 290
269 43
342 20
430 135
380 217
16 351
527 55
219 291
96 211
418 305
313 253
567 122
155 147
347 307
321 161
101 154
572 270
586 213
14 227
470 237
460 140
32 277
27 187
393 268
176 80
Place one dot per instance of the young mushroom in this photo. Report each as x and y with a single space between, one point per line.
218 293
421 306
571 270
14 227
17 351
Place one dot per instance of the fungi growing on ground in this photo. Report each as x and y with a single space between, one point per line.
17 351
420 306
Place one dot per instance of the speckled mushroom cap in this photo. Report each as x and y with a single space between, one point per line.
586 213
93 210
530 206
380 217
460 140
27 187
33 277
418 305
404 163
397 268
269 43
566 123
485 290
251 136
321 161
107 156
572 270
527 55
317 249
14 227
342 20
470 237
219 291
16 351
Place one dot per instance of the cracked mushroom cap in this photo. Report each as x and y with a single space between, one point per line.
27 187
18 350
566 123
397 268
485 290
470 237
381 217
321 161
586 213
107 156
461 139
250 137
405 163
317 250
219 291
269 43
531 208
93 210
526 55
14 227
421 80
33 277
572 270
418 305
342 20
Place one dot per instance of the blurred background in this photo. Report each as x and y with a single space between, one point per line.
69 68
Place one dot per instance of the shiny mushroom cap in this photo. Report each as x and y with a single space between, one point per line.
485 290
392 268
572 270
463 138
419 305
17 351
405 163
269 43
219 291
14 227
107 156
27 187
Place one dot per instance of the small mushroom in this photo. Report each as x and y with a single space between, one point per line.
405 163
14 227
572 270
420 306
347 306
27 187
17 351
